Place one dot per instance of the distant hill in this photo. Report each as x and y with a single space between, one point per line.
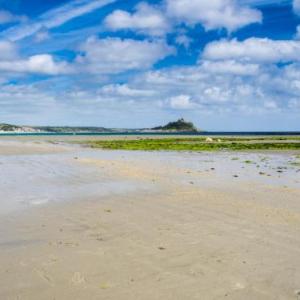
7 128
180 126
15 128
69 129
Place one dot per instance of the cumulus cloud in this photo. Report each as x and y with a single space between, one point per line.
11 62
146 19
41 64
213 14
254 50
296 6
272 88
181 102
159 20
208 90
229 67
115 55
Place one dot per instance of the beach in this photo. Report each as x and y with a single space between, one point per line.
82 223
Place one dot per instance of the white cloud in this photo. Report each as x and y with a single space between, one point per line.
208 90
254 50
8 51
146 20
115 55
169 93
124 90
41 64
7 17
213 91
11 62
213 14
294 104
34 104
296 6
42 36
159 20
54 18
229 67
270 105
181 102
24 102
184 40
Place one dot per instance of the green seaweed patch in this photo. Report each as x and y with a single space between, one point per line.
191 144
295 163
248 162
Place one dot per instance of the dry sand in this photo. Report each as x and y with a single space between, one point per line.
181 226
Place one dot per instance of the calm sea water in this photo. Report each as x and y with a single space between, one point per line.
207 133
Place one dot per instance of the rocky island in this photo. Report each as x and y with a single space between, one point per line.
178 126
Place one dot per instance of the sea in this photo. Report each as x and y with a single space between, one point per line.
205 133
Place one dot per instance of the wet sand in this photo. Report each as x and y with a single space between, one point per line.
147 225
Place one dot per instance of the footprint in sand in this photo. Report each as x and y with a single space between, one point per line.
77 278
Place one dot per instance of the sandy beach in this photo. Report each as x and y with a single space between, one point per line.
81 223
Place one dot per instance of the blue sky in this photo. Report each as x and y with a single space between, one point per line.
224 64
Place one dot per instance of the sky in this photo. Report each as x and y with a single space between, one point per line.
226 65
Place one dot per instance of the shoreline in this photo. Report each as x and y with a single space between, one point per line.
157 132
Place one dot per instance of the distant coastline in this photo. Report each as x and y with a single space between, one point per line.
179 127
